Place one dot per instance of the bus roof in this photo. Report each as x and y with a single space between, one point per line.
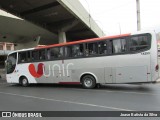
86 40
83 41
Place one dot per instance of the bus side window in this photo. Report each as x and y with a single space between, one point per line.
28 56
60 52
81 50
110 47
133 43
119 45
102 46
56 52
22 57
77 50
139 42
35 55
124 45
48 54
91 49
143 42
42 54
74 50
68 51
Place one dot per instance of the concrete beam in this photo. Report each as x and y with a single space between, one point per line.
76 8
21 31
69 25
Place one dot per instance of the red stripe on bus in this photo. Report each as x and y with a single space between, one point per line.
70 83
83 41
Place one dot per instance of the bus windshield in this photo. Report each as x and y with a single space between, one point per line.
11 63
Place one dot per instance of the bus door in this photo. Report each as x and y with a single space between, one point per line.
108 75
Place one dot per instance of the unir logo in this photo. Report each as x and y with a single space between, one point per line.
41 70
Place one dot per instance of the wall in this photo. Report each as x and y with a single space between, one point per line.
5 48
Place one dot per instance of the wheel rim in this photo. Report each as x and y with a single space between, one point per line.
88 82
24 81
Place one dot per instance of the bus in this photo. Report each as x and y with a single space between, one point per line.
120 59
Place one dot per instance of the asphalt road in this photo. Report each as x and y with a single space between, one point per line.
74 98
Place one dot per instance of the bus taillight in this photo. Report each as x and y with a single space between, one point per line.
157 68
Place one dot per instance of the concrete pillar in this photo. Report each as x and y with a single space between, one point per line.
62 37
5 46
64 28
12 46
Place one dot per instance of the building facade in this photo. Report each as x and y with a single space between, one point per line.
5 48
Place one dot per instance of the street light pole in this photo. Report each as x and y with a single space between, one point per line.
138 15
119 28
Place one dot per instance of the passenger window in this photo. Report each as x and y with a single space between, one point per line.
119 46
22 57
139 43
56 52
124 45
143 40
28 56
35 55
102 46
91 49
68 51
110 47
48 54
42 54
74 50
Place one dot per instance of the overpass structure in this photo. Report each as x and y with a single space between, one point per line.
46 22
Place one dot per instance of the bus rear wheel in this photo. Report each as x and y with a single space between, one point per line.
24 81
88 82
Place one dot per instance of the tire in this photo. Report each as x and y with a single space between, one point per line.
24 81
88 82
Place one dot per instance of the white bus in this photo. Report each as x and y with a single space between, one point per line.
127 58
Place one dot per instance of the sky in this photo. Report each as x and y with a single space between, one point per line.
120 16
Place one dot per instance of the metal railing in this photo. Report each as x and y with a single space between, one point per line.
5 52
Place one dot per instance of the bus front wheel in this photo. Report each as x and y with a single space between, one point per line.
24 81
88 82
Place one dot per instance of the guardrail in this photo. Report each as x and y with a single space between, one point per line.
5 52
